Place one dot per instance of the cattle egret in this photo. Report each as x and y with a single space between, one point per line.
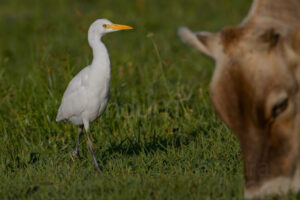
87 95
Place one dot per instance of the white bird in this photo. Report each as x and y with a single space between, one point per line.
87 95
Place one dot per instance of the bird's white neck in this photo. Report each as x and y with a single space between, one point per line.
100 56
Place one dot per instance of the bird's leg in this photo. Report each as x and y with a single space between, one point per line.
90 144
75 152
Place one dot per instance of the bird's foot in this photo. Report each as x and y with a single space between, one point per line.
98 170
97 167
75 153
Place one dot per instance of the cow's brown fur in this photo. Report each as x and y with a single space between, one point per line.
257 68
230 36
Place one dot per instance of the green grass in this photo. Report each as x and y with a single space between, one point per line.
159 137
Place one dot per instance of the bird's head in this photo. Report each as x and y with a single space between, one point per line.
103 26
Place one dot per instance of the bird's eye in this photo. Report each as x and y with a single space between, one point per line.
280 107
104 25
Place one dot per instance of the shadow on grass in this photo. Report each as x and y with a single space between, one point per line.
129 146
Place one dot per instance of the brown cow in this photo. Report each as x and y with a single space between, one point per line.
255 91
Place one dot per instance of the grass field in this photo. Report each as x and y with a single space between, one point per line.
159 137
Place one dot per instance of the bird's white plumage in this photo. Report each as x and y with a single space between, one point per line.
87 94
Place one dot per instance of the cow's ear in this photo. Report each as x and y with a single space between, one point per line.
211 43
208 43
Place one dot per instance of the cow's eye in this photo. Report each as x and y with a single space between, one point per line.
280 107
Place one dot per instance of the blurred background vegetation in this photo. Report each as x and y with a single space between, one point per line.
159 137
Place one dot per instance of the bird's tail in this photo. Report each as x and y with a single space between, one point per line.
59 116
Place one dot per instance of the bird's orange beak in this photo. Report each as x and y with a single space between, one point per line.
117 27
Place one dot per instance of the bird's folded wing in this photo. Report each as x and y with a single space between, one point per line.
75 98
80 80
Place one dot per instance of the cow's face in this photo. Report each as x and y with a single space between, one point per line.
255 91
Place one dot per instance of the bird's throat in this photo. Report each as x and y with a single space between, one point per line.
100 54
101 62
